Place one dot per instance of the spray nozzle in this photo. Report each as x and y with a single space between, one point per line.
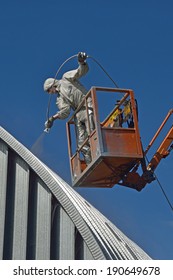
47 130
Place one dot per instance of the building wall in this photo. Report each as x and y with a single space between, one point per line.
42 217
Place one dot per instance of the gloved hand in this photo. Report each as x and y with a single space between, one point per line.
48 124
82 56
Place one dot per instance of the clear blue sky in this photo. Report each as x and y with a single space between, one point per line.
133 40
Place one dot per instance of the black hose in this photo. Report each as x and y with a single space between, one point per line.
48 107
71 57
103 70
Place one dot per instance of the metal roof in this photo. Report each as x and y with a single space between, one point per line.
103 239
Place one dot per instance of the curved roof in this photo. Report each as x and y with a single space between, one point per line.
103 239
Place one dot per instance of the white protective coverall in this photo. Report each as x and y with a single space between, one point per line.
70 94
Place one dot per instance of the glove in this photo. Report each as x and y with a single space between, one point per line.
48 124
82 56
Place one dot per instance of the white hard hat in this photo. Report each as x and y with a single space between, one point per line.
49 83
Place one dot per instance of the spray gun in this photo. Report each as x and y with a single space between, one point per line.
48 124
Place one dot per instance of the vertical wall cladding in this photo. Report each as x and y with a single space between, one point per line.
33 223
43 218
79 246
39 220
81 249
3 184
25 204
63 234
16 208
66 231
55 230
21 183
86 252
9 211
32 215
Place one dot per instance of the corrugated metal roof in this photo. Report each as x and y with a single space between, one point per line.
103 239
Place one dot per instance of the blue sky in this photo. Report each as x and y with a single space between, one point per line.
133 41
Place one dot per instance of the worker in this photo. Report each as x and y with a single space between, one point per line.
70 93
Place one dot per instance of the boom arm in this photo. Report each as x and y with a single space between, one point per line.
133 179
164 149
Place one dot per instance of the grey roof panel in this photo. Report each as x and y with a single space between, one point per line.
103 239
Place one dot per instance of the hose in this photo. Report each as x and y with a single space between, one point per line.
103 69
71 57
